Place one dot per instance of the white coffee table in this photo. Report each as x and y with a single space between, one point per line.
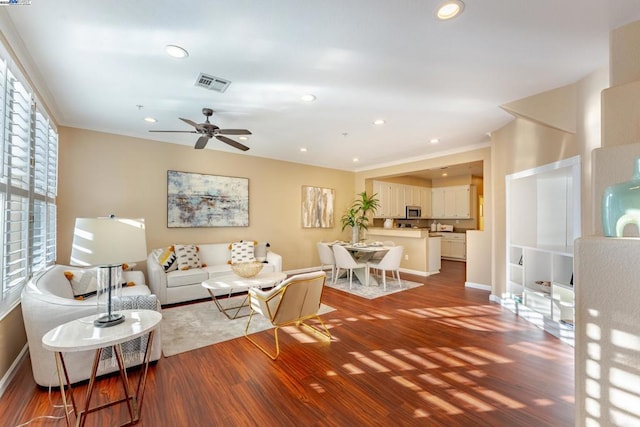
80 335
229 284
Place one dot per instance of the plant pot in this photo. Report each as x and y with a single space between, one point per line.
355 235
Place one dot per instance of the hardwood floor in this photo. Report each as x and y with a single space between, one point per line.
436 355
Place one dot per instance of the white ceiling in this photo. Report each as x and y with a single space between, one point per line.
363 59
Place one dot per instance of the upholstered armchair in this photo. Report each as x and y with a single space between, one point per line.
293 301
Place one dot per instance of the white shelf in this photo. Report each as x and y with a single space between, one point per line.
543 220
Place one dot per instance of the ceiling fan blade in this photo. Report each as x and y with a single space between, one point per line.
202 142
175 131
232 143
191 122
233 131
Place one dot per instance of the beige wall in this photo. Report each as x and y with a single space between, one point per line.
103 173
13 338
518 146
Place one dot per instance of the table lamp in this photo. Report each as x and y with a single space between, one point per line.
107 243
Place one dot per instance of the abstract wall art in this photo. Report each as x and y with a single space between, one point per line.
198 200
317 207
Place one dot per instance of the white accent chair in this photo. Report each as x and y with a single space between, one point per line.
326 258
345 261
291 302
47 302
390 262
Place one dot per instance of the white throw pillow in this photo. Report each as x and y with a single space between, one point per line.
84 283
187 256
242 252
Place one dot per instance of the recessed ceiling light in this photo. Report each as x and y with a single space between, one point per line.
150 120
378 122
356 160
434 140
176 51
449 9
242 138
308 97
445 174
303 150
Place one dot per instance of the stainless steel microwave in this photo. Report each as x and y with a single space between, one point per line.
413 212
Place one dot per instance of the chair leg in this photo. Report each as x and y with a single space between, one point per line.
398 275
335 278
384 280
275 333
350 277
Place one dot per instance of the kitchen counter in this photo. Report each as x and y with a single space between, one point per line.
417 243
399 232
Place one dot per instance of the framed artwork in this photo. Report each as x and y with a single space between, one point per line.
317 207
198 200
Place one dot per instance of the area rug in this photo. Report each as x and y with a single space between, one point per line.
189 327
371 292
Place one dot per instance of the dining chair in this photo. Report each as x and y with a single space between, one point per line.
390 262
326 258
377 257
346 261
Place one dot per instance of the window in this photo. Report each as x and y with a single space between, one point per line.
28 185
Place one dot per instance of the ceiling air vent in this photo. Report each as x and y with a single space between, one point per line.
212 82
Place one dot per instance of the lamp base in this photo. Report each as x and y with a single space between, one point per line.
108 320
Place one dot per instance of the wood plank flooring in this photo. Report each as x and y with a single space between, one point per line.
436 355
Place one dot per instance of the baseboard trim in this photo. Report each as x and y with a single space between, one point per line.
477 286
317 268
13 369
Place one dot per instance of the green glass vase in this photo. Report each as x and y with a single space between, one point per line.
621 205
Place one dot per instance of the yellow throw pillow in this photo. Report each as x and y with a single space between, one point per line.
167 259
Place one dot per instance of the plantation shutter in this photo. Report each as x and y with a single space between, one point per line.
17 162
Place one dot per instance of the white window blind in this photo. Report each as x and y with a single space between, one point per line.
28 185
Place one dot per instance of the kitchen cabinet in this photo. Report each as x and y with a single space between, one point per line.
455 202
391 197
543 220
395 197
454 246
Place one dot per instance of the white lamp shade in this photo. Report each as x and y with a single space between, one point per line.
108 241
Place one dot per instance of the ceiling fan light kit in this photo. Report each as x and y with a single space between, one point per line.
207 130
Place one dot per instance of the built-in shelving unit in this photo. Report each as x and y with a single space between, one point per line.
543 220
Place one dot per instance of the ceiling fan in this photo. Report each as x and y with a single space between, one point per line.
208 131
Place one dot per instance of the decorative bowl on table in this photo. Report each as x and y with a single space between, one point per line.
247 269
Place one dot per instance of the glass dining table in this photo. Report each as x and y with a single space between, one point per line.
362 253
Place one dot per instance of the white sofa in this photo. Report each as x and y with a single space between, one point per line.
180 286
47 301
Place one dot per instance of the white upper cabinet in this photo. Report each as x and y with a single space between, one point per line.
455 202
395 197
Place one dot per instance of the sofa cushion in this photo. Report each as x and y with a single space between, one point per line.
187 277
218 269
214 253
242 252
187 257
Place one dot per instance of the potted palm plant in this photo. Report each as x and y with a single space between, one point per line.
356 216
